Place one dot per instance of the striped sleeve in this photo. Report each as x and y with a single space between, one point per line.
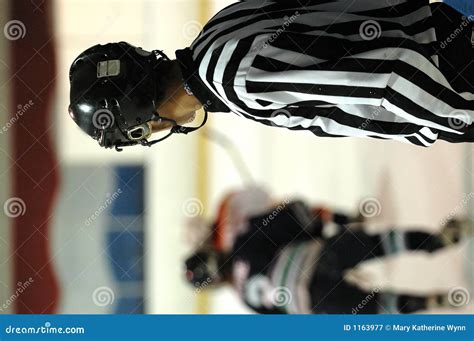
334 69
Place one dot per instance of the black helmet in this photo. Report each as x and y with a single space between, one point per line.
207 267
114 94
198 268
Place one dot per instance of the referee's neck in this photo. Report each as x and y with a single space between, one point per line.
178 104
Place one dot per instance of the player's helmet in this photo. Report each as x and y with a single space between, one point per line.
201 268
114 94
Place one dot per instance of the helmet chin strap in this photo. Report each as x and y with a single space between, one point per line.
176 129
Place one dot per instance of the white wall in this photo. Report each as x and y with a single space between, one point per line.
171 180
149 24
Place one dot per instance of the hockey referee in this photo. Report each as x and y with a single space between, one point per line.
390 69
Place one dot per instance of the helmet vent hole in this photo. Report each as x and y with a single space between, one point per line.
137 134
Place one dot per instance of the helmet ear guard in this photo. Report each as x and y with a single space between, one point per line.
114 93
141 132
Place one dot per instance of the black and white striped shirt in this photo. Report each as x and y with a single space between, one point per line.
361 68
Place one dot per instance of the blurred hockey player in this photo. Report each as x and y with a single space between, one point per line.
291 258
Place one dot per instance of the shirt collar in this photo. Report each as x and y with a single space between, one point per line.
190 75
